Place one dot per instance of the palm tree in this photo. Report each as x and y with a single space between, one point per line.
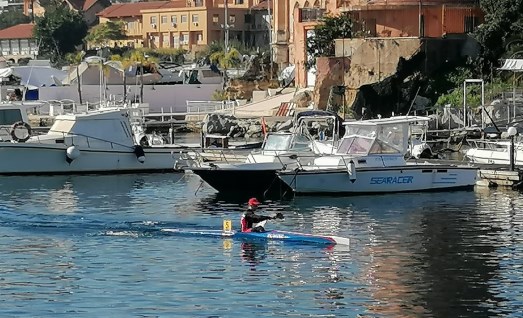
76 60
143 60
125 63
229 60
226 60
135 58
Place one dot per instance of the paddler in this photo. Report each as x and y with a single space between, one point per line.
252 222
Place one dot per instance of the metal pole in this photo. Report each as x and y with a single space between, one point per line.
420 14
483 104
226 25
512 153
269 3
464 104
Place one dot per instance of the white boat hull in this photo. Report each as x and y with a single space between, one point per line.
379 180
32 158
497 157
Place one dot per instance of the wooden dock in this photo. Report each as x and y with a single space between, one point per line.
500 175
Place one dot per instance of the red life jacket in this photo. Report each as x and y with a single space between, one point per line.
244 225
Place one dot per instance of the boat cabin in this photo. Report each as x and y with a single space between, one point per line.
377 142
108 128
380 136
11 114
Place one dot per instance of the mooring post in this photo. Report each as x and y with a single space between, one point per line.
511 153
512 131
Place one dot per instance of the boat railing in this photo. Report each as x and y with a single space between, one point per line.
295 158
497 145
84 141
225 155
197 158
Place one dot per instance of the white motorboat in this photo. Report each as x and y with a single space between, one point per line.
371 159
494 152
280 150
94 142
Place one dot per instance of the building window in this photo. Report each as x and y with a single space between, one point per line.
248 18
194 18
310 14
184 18
471 23
153 20
215 19
173 19
164 19
184 39
199 37
238 1
232 18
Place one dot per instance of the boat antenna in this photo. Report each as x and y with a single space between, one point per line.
413 100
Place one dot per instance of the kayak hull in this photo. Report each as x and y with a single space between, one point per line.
274 235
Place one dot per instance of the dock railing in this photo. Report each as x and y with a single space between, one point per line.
207 107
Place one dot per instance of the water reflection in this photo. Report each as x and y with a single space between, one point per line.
64 193
253 253
426 255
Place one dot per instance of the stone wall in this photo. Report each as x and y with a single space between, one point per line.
383 75
373 60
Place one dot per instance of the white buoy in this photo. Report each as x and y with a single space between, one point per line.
351 169
72 153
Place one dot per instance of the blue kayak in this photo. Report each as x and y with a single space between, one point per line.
293 237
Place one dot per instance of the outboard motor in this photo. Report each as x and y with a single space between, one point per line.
140 154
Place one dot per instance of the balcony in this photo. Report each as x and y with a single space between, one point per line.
311 14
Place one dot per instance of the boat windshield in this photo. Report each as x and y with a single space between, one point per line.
275 142
285 142
379 138
301 143
355 145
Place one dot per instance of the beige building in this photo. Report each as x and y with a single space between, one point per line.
17 42
89 8
191 25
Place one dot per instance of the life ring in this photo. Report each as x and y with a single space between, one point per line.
20 131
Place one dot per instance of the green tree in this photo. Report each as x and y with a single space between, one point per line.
10 18
503 21
331 27
144 63
102 33
229 60
166 54
125 63
60 30
76 59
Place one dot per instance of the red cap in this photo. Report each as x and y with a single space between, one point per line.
254 201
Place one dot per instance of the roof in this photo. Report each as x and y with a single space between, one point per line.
84 5
38 76
19 31
133 9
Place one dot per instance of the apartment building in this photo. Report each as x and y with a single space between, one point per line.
17 42
89 8
191 25
295 21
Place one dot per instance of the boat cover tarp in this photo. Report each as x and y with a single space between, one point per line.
514 65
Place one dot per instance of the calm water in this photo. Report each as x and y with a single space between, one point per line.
91 246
